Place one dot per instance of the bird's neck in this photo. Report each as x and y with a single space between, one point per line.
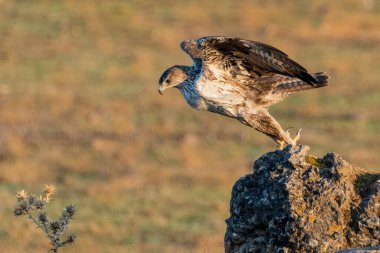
192 75
188 87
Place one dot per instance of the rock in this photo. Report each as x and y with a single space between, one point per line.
294 202
361 250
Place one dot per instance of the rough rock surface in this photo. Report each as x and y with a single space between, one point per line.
294 202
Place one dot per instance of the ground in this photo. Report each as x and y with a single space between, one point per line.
79 108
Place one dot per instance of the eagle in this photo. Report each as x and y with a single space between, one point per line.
240 79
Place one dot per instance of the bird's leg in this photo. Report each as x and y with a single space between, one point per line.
281 145
263 122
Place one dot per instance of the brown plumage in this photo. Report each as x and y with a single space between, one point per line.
240 79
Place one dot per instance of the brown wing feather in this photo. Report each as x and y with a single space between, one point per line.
250 58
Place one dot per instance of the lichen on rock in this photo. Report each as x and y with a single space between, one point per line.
294 202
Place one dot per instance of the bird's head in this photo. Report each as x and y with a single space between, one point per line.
172 77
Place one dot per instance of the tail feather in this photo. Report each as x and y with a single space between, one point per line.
322 79
294 84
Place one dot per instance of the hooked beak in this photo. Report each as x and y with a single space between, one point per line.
161 90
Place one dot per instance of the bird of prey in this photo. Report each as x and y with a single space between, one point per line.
240 78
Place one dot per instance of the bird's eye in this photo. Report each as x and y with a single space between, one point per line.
167 81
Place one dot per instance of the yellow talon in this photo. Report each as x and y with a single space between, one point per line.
282 144
298 136
287 131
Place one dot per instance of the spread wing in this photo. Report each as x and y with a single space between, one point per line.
244 58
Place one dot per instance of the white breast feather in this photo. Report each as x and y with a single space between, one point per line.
216 94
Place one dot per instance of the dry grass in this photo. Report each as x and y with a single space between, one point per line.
79 108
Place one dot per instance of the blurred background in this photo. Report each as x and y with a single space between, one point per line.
79 108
